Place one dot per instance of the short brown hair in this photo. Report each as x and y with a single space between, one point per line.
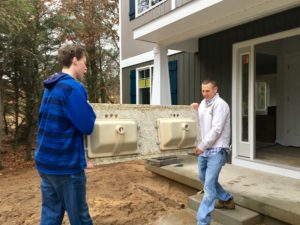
67 52
210 81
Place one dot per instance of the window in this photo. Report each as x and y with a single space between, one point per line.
143 6
245 69
261 98
144 84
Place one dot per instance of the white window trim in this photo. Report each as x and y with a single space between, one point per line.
150 67
137 14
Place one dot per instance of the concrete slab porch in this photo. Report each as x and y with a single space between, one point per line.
274 196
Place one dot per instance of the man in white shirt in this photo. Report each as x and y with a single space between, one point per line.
212 151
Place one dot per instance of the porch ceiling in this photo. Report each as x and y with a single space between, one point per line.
203 17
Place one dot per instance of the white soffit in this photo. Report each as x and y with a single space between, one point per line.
203 17
144 57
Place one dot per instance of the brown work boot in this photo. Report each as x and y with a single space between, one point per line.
229 204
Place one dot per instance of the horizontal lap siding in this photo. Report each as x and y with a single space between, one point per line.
182 2
154 13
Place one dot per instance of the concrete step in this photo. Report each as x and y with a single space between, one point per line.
238 216
182 217
275 197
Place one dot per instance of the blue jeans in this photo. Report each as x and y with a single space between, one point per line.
62 193
209 169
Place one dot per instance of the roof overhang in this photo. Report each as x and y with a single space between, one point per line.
200 18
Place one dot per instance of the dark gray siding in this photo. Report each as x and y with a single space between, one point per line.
188 84
215 51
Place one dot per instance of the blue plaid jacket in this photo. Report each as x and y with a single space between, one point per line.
64 117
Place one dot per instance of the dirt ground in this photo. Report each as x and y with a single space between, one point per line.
121 193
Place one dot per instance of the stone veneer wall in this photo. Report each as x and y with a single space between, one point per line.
145 116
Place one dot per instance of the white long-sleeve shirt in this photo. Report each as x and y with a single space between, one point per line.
214 119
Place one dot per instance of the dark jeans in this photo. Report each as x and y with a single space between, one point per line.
62 193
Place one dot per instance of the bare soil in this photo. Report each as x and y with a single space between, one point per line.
120 193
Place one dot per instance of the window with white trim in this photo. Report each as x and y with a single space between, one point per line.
144 77
143 6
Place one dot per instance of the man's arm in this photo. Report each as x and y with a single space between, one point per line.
80 112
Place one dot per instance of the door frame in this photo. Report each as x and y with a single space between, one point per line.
243 148
250 162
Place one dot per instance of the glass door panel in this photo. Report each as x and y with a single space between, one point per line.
243 102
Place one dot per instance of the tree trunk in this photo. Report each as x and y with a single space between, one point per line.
31 89
1 122
30 121
103 94
92 76
28 149
5 120
16 109
31 111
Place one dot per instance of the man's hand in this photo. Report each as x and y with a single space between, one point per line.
195 105
89 165
198 151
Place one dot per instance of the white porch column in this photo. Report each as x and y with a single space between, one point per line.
161 93
173 4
